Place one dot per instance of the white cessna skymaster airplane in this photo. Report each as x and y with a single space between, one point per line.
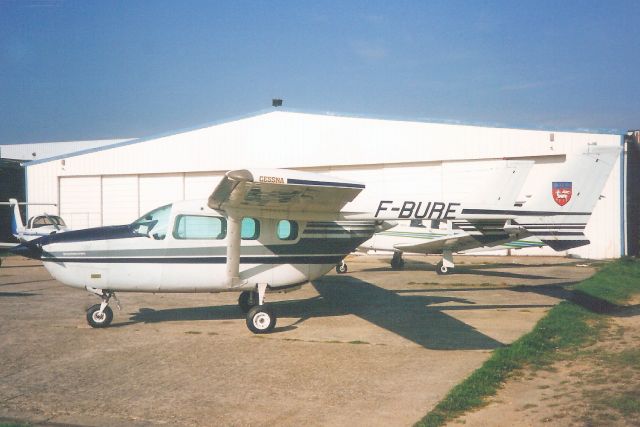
575 188
259 230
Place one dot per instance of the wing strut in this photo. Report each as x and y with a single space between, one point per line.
233 250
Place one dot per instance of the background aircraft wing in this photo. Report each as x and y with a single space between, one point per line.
454 242
281 193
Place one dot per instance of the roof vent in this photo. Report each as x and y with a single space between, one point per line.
276 102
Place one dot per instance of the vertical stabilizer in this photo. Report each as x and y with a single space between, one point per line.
17 226
562 201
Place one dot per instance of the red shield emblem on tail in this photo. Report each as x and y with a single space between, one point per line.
561 192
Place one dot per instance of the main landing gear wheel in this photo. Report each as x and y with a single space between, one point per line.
261 320
397 263
247 300
341 268
97 318
443 269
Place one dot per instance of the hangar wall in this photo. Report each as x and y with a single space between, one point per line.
116 185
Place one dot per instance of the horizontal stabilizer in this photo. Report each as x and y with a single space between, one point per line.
563 245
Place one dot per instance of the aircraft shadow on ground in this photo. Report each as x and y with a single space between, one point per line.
27 282
475 270
555 290
412 317
17 294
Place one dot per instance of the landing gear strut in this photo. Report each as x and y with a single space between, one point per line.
101 315
341 268
397 262
446 266
260 319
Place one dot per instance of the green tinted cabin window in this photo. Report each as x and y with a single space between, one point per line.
250 229
287 230
199 227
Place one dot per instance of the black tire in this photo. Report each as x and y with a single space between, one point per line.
442 270
341 268
397 264
261 320
247 300
95 320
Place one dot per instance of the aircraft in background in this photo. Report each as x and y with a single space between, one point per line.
259 230
555 216
436 238
37 226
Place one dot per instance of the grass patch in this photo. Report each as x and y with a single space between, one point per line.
559 334
628 403
614 283
193 332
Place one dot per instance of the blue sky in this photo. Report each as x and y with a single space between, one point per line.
73 70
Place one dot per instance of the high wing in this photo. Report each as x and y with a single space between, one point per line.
276 193
281 193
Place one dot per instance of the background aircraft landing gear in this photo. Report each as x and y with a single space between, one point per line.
446 266
397 263
260 319
341 268
247 300
443 269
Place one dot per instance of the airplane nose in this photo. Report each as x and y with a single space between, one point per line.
28 250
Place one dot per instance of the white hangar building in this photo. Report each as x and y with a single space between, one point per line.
117 183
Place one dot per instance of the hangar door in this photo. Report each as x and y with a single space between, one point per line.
80 199
119 199
94 201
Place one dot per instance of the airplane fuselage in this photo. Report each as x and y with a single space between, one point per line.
189 253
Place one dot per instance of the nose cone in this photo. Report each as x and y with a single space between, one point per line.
27 249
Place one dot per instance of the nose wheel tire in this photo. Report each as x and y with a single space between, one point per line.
261 320
442 269
341 268
97 319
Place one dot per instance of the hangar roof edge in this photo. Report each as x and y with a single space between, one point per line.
299 111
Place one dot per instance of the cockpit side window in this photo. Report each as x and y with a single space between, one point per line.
45 220
154 223
40 221
199 227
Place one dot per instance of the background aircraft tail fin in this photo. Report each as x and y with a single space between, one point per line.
563 199
17 226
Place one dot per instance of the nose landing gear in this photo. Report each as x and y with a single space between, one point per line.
101 315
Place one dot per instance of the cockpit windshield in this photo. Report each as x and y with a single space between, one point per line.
154 223
46 220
